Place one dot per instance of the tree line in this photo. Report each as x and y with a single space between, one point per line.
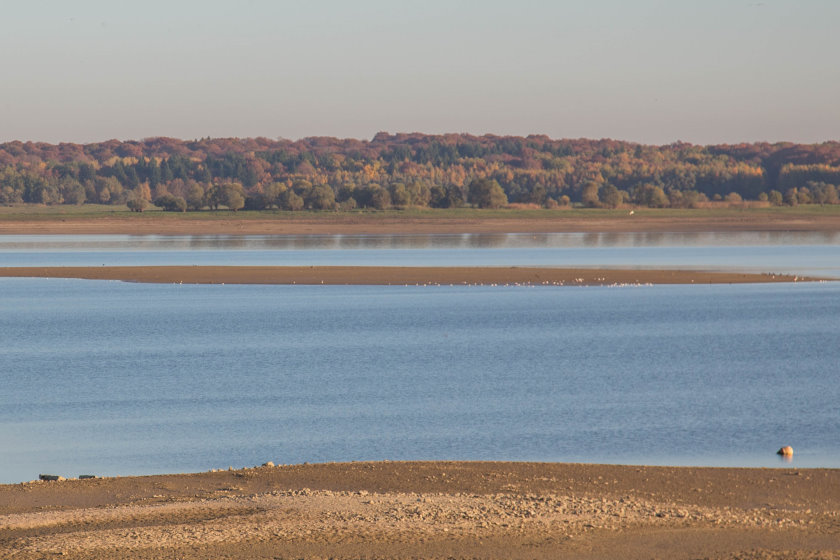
414 170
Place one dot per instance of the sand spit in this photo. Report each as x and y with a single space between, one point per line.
379 275
430 510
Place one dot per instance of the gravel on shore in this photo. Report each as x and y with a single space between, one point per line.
430 510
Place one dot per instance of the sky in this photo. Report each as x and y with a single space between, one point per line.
649 71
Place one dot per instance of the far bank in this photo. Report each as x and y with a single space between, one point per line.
96 219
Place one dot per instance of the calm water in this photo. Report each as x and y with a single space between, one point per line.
808 253
114 378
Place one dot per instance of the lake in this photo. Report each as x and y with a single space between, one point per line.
804 253
113 378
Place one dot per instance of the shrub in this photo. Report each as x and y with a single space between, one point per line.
137 204
171 203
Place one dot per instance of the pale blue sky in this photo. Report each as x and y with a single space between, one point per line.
651 71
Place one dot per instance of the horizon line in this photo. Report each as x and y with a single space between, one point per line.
416 133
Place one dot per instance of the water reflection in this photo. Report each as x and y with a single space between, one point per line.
412 241
804 253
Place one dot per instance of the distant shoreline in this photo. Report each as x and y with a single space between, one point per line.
386 275
47 220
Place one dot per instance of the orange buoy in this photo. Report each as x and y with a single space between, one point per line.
786 451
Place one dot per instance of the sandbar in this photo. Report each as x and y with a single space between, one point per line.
430 510
388 275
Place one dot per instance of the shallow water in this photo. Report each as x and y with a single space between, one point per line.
113 378
804 253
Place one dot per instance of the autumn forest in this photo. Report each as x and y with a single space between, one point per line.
415 170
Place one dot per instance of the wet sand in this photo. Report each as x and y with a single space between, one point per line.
379 275
430 510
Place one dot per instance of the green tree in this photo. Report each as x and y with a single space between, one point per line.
734 198
804 195
610 196
399 195
589 195
131 178
486 193
233 196
446 197
347 204
792 196
271 192
345 191
87 173
289 200
538 194
419 193
109 190
823 193
320 197
137 204
195 197
380 198
650 195
171 203
373 196
72 191
255 199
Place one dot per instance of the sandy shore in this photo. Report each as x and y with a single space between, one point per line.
379 275
430 510
324 224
